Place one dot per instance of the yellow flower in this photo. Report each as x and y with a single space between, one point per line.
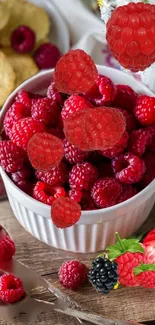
100 3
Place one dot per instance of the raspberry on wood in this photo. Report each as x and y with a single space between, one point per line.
73 274
11 289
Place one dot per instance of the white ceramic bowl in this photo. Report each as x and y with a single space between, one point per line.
95 229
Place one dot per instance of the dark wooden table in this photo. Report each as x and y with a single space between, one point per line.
135 304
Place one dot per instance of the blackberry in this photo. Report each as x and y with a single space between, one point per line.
103 274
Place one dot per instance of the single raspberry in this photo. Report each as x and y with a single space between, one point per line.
25 98
11 289
46 193
130 35
127 192
145 275
87 203
75 72
26 173
23 39
73 274
139 141
73 104
125 98
24 129
149 176
104 127
83 176
105 192
75 195
65 212
45 110
73 154
145 110
45 151
149 237
129 118
11 157
57 175
15 113
102 93
127 253
118 148
54 94
7 247
129 168
47 55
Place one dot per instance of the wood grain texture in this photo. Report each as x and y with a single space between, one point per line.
135 304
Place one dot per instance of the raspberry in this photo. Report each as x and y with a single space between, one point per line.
127 253
87 202
23 39
24 129
11 289
11 157
7 247
130 120
25 173
83 176
47 55
145 110
150 252
15 113
75 72
73 104
138 141
75 195
127 192
45 110
149 237
47 194
130 35
104 127
125 98
65 212
149 160
102 93
145 275
73 274
54 94
45 151
105 192
24 98
118 148
129 168
73 154
151 130
58 175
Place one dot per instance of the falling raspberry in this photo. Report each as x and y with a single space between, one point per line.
23 39
75 72
47 55
45 151
65 212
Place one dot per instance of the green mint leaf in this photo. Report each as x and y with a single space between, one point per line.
143 268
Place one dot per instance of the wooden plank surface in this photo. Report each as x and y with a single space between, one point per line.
135 304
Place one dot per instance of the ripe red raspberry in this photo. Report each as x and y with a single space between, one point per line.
118 148
45 110
75 195
73 274
75 72
102 93
105 192
128 168
149 176
11 289
149 237
145 275
87 203
130 35
127 192
54 94
73 154
130 120
7 246
15 113
83 176
23 39
46 193
145 110
11 157
73 104
25 173
57 175
128 255
25 98
45 151
151 130
24 129
125 98
139 141
65 212
47 55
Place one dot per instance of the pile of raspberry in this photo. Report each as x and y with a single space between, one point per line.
86 144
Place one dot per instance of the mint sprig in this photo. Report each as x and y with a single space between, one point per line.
144 268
